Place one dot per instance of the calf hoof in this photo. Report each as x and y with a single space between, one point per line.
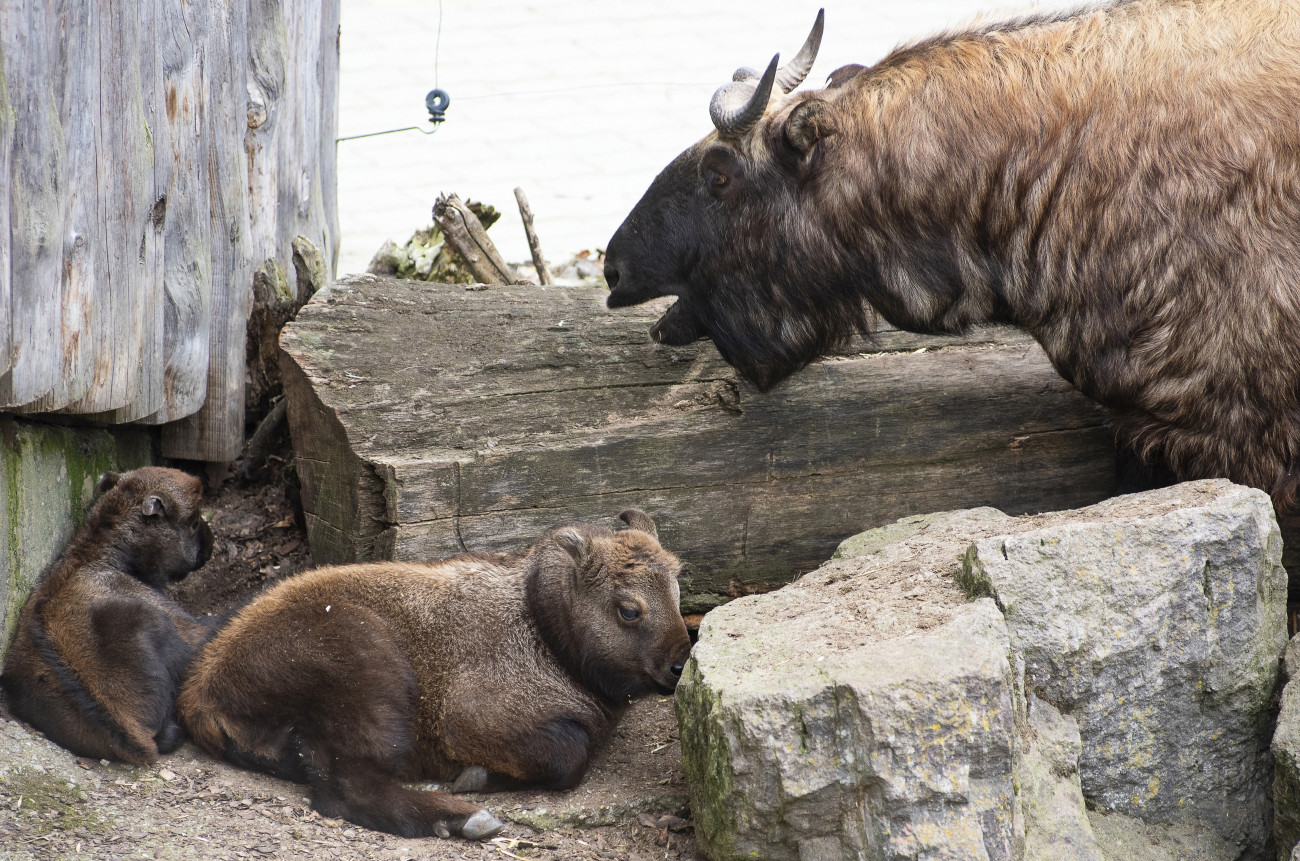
473 778
169 738
481 826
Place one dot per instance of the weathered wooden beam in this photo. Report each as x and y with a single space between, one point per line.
432 419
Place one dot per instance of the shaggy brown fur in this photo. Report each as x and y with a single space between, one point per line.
490 672
100 650
1122 182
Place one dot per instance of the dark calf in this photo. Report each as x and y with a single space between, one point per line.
100 650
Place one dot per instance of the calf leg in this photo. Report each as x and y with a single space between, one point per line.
553 755
330 702
366 793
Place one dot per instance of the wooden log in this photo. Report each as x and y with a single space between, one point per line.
465 233
513 409
534 245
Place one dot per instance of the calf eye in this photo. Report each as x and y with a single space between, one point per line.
717 180
629 614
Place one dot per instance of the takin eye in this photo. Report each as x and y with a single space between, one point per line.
719 168
629 614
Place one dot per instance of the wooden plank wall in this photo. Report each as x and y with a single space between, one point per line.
152 155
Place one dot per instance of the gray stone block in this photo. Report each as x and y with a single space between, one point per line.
1125 653
1156 621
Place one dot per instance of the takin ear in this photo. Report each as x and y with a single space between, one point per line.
152 506
106 482
574 544
811 121
637 519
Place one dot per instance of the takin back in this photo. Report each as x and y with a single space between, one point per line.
1122 182
100 650
484 672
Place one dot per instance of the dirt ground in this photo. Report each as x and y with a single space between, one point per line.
53 805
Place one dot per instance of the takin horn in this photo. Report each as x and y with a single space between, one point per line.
737 107
792 74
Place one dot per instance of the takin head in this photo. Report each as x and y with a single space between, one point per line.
607 604
733 228
149 522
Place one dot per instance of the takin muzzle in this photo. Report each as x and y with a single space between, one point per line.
100 650
483 672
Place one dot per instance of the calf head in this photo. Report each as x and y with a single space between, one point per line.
607 603
151 521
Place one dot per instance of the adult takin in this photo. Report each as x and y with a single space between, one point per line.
1122 182
483 672
101 650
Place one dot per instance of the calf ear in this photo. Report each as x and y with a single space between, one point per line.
638 519
574 544
811 121
106 482
152 505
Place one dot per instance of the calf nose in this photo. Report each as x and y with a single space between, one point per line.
611 273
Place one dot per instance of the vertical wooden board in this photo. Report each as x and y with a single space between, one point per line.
87 322
300 210
125 181
187 272
267 49
216 432
6 171
329 128
31 45
145 249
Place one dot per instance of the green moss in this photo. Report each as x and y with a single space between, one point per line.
59 804
49 481
972 578
706 762
425 256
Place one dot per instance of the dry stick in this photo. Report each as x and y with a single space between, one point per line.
526 213
465 233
